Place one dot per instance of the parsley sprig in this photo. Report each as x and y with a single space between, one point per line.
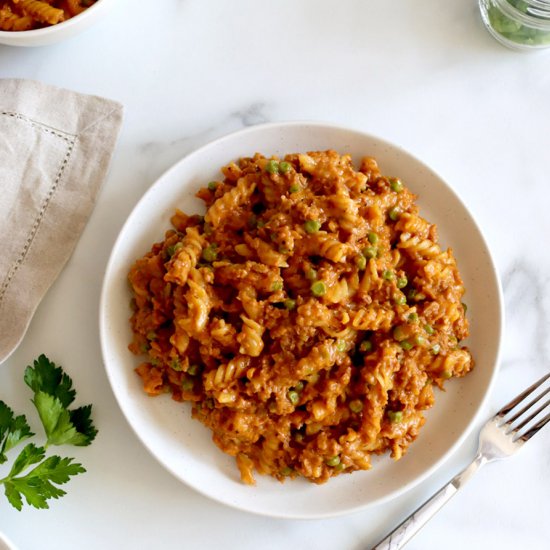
53 394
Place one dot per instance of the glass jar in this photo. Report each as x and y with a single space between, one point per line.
518 24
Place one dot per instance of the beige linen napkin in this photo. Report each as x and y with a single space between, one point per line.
55 149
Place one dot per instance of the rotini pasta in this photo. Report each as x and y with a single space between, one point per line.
25 15
307 316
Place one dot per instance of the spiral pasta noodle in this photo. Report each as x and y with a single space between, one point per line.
185 256
308 316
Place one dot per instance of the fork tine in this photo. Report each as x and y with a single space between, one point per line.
527 407
507 408
530 417
534 429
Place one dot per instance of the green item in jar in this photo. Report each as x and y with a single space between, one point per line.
514 29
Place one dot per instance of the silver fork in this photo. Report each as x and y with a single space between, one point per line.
501 437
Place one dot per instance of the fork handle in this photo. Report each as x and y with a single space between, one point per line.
406 530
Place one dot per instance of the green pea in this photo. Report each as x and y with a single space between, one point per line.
318 288
406 345
209 254
293 397
436 348
413 294
388 275
413 317
284 167
187 384
395 416
446 374
401 282
370 252
373 237
171 250
299 386
212 185
289 304
400 299
312 377
394 214
356 406
361 262
193 370
286 471
175 364
333 461
312 226
277 285
272 166
294 188
396 185
419 340
311 274
151 335
365 346
399 333
429 329
155 362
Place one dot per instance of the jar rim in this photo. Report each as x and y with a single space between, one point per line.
538 18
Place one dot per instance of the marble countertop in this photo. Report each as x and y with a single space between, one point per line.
425 75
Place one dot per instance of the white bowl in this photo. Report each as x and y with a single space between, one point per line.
61 31
5 543
184 445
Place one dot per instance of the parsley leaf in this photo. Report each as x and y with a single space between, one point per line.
13 429
50 379
82 421
57 422
37 486
53 393
31 454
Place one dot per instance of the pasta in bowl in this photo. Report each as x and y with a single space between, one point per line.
38 22
307 317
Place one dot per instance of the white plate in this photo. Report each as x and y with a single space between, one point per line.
184 445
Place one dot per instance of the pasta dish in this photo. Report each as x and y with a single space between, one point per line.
26 15
307 316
